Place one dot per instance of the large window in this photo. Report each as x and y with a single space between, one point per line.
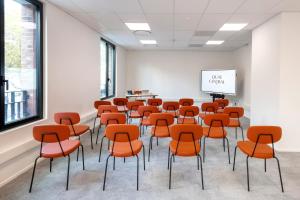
21 62
108 70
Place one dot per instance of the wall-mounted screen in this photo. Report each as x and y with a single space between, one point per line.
218 81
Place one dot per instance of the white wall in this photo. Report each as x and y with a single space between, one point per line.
242 58
121 71
275 74
72 83
173 74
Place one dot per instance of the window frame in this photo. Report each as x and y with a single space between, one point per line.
39 66
107 43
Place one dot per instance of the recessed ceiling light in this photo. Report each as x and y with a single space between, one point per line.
138 26
214 42
148 41
233 27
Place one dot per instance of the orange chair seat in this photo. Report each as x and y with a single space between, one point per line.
122 149
145 122
215 132
175 114
53 150
233 123
182 120
160 131
261 150
79 129
184 148
122 109
134 114
220 110
203 114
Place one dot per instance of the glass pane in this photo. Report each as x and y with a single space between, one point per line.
20 61
103 70
111 62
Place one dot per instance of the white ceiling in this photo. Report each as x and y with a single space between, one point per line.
176 24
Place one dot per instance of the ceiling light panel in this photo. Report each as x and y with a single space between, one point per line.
138 26
233 27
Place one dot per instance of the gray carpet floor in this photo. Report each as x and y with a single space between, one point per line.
219 179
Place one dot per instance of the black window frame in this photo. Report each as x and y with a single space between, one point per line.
39 66
107 70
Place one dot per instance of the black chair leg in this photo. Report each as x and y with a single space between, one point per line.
77 155
150 142
234 158
137 173
202 179
68 173
278 164
100 148
82 152
33 172
94 124
156 141
236 133
170 174
228 151
248 173
114 165
51 159
105 172
198 165
204 149
224 144
144 159
98 132
242 133
169 158
91 139
265 165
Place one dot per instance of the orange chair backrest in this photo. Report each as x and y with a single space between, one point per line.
186 102
154 102
113 118
52 133
216 120
145 111
67 118
122 132
234 112
120 101
170 105
101 102
107 109
189 111
161 119
209 107
186 132
264 134
222 102
134 105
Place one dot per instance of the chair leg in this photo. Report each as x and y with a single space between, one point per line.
105 172
248 173
156 141
98 133
137 173
68 173
234 158
51 159
170 174
198 165
108 144
124 159
101 148
228 149
265 165
77 155
82 152
202 181
114 165
242 133
94 124
91 138
279 173
144 158
33 172
150 142
169 158
224 144
236 133
204 149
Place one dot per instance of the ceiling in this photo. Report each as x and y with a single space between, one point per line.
176 24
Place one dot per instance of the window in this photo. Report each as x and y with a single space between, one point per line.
108 70
21 62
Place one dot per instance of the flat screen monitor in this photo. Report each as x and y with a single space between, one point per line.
218 81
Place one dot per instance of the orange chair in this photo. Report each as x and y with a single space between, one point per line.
235 113
258 146
55 143
155 102
222 104
110 118
185 143
72 119
96 105
171 107
186 102
160 129
216 130
132 107
207 108
121 103
188 114
125 144
144 112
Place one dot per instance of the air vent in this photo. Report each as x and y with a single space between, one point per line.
195 45
204 33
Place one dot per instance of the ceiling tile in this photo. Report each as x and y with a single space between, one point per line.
133 18
159 22
110 21
287 5
157 6
183 35
186 21
93 5
212 22
227 6
222 35
244 35
67 5
190 6
163 35
125 6
258 6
